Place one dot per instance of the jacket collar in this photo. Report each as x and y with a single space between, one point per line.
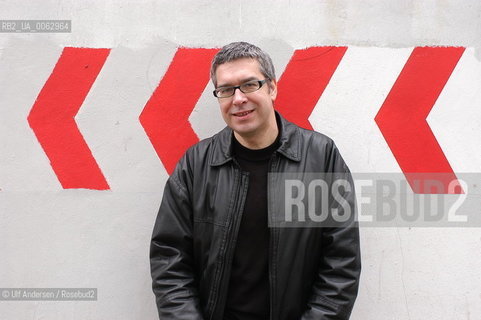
289 143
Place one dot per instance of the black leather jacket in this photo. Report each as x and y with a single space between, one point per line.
313 272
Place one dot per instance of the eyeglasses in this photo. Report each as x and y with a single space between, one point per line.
246 87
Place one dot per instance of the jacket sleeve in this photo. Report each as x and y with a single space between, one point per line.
171 253
335 289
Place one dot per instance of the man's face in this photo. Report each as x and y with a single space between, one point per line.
248 114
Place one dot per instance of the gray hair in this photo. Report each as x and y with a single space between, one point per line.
239 50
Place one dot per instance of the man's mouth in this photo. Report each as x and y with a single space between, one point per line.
243 113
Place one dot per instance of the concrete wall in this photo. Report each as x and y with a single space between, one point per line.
91 122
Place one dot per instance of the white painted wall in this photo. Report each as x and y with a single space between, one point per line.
55 237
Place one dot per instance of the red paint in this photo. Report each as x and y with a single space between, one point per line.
165 117
52 118
304 80
402 117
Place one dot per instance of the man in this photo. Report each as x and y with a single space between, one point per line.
213 253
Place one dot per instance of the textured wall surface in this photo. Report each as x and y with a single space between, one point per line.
92 122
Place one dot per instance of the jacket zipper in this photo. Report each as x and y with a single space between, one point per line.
272 233
232 235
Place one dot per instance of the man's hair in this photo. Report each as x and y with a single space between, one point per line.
238 50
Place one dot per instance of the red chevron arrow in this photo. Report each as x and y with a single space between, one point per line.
304 80
52 118
165 116
402 118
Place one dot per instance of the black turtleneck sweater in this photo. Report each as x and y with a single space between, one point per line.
248 294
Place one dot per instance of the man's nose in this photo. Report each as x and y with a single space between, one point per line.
239 96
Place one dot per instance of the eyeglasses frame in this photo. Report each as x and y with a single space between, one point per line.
261 83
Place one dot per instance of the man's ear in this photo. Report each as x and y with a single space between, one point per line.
273 89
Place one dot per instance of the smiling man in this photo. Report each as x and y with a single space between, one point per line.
248 111
213 253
